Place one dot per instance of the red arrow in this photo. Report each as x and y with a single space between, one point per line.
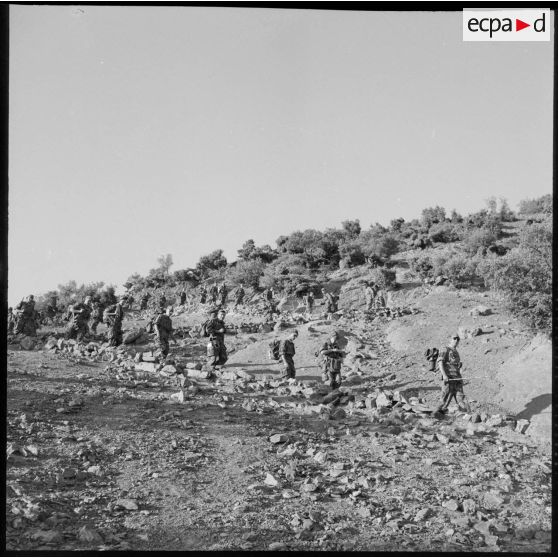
519 25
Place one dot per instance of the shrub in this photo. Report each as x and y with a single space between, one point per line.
214 261
246 272
422 266
443 232
537 205
433 215
478 239
461 271
381 245
352 253
524 276
384 278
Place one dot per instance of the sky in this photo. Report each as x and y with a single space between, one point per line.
141 131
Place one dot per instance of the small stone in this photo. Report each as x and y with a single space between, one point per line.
89 535
270 480
278 438
492 501
452 505
127 504
47 536
422 514
442 438
178 396
168 370
275 546
469 506
495 420
76 402
94 470
475 418
320 457
383 400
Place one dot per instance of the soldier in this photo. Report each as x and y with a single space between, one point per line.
11 320
216 328
52 307
332 360
380 300
163 327
239 295
143 301
79 316
25 319
162 302
270 309
331 304
449 363
182 297
287 352
203 294
268 294
113 316
370 295
96 316
130 301
214 293
222 293
309 302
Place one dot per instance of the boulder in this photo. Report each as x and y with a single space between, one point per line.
194 365
480 311
133 335
146 366
201 374
382 400
27 343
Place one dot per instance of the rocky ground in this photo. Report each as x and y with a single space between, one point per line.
108 450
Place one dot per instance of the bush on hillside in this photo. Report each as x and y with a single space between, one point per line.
384 278
524 276
479 239
246 272
443 232
537 205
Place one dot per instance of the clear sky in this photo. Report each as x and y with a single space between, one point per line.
139 131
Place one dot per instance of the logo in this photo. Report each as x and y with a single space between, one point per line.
506 25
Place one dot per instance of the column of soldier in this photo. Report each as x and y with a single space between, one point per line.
85 315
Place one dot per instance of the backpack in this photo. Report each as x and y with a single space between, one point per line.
432 356
205 333
274 350
164 322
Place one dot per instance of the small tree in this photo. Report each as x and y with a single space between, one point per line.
165 263
433 215
352 228
214 261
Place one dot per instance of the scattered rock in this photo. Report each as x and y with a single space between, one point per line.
89 535
270 480
126 504
522 426
278 438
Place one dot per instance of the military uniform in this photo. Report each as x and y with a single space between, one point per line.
203 295
79 317
214 292
222 293
454 387
182 298
143 301
287 352
239 296
163 327
268 295
331 303
309 301
113 316
96 317
331 364
216 328
162 302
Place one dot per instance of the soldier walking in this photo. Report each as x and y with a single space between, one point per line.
11 320
222 293
203 294
332 356
144 300
79 316
216 329
309 302
239 295
214 293
163 328
287 352
96 316
449 364
113 316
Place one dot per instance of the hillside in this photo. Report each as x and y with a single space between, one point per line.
119 449
107 453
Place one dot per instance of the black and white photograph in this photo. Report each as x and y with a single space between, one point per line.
279 279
